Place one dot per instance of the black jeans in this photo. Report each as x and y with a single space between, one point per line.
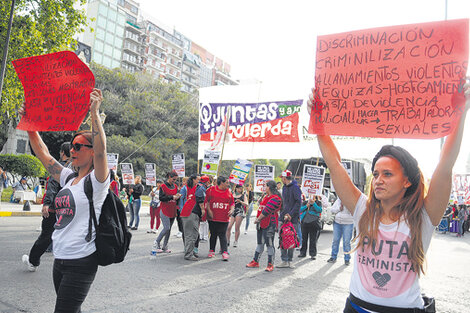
72 281
218 229
311 230
44 239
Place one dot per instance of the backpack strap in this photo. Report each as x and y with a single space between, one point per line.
88 187
71 175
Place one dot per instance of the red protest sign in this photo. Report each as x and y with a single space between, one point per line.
392 82
57 89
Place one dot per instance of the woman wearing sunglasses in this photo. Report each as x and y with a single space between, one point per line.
75 263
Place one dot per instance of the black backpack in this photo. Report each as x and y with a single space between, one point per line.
112 236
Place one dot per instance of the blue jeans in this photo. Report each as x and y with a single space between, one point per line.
345 231
248 215
134 212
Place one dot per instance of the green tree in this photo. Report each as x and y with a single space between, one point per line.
39 27
147 120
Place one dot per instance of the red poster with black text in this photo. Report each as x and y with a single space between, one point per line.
57 89
391 82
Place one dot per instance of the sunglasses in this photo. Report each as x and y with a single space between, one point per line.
78 146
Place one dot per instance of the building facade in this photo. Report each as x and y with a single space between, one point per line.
121 38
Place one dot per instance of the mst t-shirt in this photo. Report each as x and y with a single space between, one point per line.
383 273
73 213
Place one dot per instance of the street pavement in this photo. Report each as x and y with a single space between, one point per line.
168 283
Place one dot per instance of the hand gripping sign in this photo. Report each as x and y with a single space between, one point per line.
391 82
57 89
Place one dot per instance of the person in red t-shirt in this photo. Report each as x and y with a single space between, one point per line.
266 224
168 197
219 204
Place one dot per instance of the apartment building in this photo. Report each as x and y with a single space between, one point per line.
123 39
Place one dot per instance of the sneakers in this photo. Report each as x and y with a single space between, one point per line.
291 265
331 260
235 244
283 264
134 228
192 258
150 231
302 255
179 235
30 267
196 252
313 257
252 264
269 268
225 256
346 262
245 232
211 254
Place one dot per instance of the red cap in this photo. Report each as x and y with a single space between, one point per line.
286 173
205 178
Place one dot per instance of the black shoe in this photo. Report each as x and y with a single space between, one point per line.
346 262
302 255
331 260
133 228
313 257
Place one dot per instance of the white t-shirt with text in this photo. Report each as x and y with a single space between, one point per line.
382 272
72 213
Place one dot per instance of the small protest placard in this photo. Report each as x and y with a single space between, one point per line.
263 173
312 180
240 171
391 82
210 164
150 174
127 173
113 161
57 89
178 164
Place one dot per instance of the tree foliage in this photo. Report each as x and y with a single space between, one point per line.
23 165
39 27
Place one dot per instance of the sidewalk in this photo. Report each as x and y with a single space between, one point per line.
15 209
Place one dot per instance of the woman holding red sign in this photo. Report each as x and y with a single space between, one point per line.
76 263
395 222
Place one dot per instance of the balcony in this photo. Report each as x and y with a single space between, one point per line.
176 53
190 83
176 65
131 49
190 72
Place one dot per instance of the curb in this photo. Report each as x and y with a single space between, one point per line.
8 214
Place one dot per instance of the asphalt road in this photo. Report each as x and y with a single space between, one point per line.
168 283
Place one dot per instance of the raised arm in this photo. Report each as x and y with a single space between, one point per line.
441 181
100 160
347 192
42 153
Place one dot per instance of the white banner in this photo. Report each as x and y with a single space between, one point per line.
268 122
178 164
312 180
127 173
113 161
150 174
263 173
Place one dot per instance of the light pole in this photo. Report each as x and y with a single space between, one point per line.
5 49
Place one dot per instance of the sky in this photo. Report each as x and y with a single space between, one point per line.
274 41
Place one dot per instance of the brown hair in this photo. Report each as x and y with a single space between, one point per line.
410 208
86 134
